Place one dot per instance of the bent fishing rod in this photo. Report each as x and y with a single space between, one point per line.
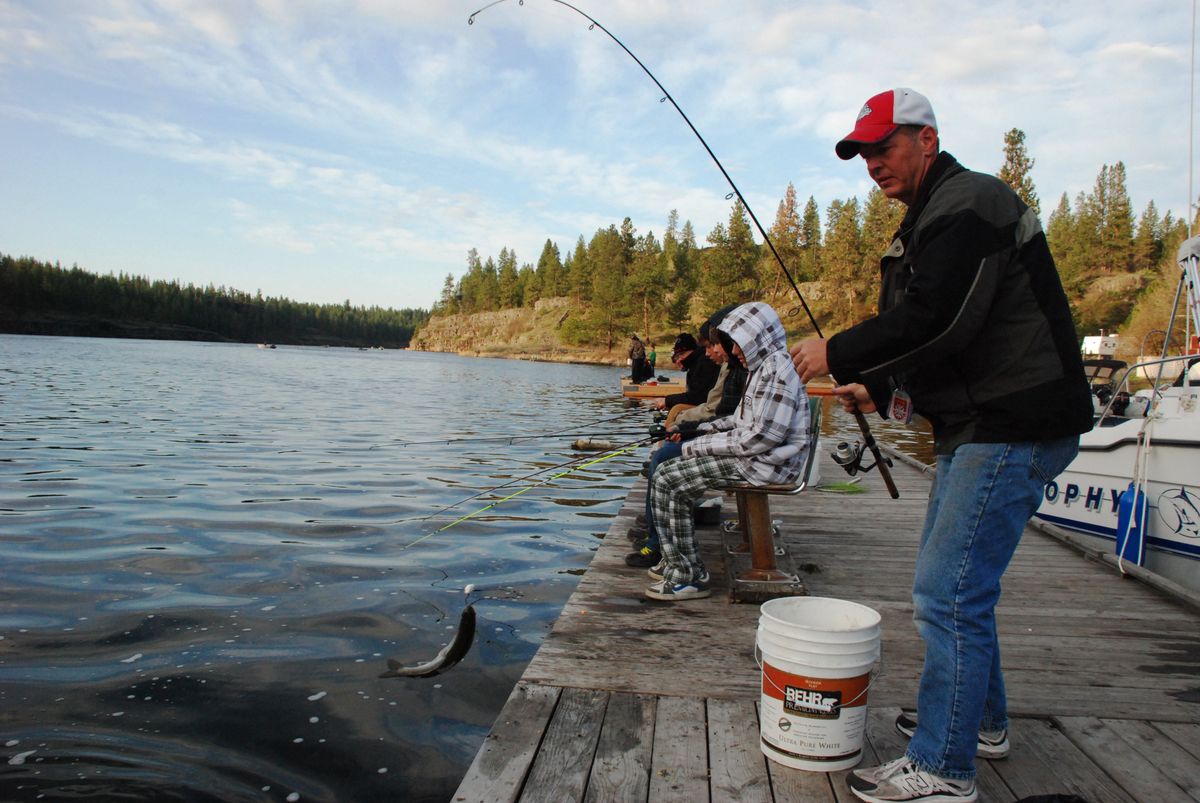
881 462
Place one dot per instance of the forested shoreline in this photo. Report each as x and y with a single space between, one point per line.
1118 269
40 298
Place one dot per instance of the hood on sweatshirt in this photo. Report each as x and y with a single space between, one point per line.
757 330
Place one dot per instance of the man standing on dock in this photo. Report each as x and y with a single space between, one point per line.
973 333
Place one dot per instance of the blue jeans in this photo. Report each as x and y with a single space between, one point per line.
982 497
669 450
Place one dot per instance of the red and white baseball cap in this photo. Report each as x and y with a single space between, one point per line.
882 115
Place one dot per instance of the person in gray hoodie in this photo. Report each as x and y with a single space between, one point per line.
762 442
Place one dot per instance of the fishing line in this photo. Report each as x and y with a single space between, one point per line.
588 461
510 439
881 462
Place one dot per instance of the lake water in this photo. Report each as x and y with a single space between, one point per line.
208 552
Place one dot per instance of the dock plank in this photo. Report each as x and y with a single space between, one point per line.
737 767
563 764
621 771
1045 761
679 769
1120 746
498 772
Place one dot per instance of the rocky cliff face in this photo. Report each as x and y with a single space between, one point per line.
525 333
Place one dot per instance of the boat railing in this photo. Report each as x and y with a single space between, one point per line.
1189 365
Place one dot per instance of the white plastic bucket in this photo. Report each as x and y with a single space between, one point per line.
817 656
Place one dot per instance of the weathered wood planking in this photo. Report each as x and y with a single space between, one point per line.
498 772
737 767
1075 637
1150 767
1049 763
564 760
621 771
630 699
679 768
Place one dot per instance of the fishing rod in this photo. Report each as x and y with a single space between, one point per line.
881 462
510 439
583 462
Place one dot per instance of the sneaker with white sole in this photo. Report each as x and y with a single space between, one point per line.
992 745
900 780
665 590
656 571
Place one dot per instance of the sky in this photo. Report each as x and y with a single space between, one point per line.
333 150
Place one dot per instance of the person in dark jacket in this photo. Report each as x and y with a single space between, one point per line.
639 367
723 400
974 334
701 376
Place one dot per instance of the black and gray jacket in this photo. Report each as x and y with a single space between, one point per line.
973 322
701 376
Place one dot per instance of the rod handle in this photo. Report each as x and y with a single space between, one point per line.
880 460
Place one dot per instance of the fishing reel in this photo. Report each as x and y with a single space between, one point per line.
851 458
657 432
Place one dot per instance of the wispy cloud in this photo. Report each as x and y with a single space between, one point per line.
395 131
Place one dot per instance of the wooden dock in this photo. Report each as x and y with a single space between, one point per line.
634 700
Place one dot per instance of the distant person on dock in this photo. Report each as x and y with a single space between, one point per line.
722 400
652 358
701 376
973 333
639 369
764 441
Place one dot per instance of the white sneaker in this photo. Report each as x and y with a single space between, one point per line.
991 745
656 571
697 589
899 780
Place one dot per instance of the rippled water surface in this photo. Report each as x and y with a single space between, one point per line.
208 552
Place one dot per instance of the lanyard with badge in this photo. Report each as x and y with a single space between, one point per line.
900 408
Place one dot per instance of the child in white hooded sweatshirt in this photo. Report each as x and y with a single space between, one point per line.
763 442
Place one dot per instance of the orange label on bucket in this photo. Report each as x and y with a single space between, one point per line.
817 698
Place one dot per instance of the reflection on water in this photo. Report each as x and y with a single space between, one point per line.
208 553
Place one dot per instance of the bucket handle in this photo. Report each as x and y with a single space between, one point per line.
874 673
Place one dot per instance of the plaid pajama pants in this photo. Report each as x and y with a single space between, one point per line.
674 489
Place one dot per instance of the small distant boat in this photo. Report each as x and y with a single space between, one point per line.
651 388
266 345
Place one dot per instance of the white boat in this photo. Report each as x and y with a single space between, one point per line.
1134 489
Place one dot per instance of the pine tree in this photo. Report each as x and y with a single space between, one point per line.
448 303
470 285
787 235
730 273
1148 243
508 292
609 303
579 283
810 242
1017 169
551 280
842 257
1066 246
1116 229
487 293
880 222
529 285
646 280
677 267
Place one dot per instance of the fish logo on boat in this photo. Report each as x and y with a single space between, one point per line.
1180 512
